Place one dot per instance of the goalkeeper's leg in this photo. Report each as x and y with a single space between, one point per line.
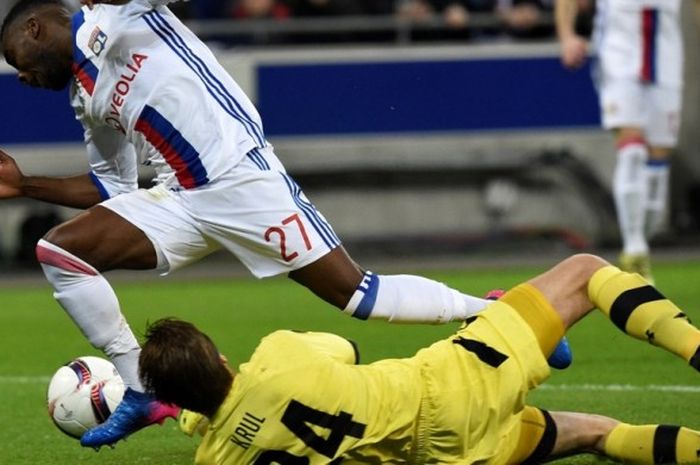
566 293
547 436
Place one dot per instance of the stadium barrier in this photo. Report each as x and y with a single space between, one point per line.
444 120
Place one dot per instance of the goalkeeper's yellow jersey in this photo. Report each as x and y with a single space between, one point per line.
301 400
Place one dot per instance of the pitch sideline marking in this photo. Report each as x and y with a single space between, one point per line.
24 379
675 388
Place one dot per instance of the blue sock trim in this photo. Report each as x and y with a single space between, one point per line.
369 287
652 163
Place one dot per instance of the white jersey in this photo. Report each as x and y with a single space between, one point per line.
148 91
639 40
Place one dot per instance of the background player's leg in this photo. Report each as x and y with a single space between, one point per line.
657 175
630 190
398 298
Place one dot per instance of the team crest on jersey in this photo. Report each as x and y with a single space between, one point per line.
98 40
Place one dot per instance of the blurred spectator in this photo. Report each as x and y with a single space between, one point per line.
204 9
524 18
326 7
456 15
259 9
377 7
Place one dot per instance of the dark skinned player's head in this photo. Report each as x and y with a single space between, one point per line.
36 40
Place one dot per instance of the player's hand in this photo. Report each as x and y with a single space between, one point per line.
10 177
91 3
574 50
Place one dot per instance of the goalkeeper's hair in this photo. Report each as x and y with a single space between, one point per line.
180 365
21 8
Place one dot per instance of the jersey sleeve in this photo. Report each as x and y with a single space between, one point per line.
112 160
293 348
111 157
331 345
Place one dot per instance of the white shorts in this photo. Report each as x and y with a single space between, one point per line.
654 109
256 211
639 72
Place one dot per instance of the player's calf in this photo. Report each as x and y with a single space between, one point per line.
640 310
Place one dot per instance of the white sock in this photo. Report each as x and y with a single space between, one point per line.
90 301
410 299
630 192
658 172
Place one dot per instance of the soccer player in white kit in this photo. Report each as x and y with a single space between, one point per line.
148 91
639 76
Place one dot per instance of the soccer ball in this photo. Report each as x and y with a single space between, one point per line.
83 393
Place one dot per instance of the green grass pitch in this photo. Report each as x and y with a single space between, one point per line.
611 374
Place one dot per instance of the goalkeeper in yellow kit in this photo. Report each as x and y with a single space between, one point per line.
302 400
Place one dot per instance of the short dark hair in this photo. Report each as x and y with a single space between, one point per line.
22 7
180 365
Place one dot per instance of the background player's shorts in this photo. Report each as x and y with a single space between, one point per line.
256 211
639 69
654 109
476 384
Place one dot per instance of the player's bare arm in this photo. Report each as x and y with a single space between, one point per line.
574 48
75 191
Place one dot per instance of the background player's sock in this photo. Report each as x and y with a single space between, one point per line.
90 301
657 174
410 299
641 311
630 192
652 444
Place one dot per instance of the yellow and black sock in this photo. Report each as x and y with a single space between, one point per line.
653 444
638 309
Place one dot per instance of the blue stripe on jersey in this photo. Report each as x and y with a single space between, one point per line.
176 150
654 44
104 195
321 227
650 36
212 77
369 286
82 67
215 88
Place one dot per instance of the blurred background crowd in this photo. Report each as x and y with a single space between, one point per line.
428 19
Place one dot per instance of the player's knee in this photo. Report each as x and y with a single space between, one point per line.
587 264
60 237
629 135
